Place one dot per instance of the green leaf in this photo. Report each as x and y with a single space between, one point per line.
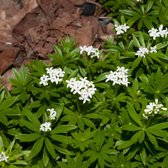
149 6
141 39
28 137
143 156
165 162
50 148
88 122
161 45
136 62
133 114
141 136
131 127
36 148
7 103
99 138
136 41
158 132
21 163
129 12
152 139
80 124
82 71
73 74
133 151
163 125
63 129
30 126
3 119
101 77
63 150
45 157
1 142
126 144
11 146
58 50
34 120
5 140
62 138
78 160
102 85
101 161
35 104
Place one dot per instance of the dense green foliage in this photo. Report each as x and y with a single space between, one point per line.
110 130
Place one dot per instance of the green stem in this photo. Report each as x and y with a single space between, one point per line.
78 106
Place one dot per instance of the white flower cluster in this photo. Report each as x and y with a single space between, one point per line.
53 75
143 50
46 126
120 29
86 89
120 76
3 157
90 50
53 114
158 32
152 109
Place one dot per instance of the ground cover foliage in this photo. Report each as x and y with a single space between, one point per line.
94 108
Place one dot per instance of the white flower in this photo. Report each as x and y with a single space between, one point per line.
91 51
49 70
3 157
55 75
152 109
158 32
125 27
53 114
142 51
45 127
84 95
83 87
153 33
88 49
71 82
95 53
120 76
162 33
120 29
153 49
44 80
83 49
74 85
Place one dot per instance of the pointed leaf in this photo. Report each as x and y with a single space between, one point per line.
133 114
152 139
62 138
32 118
28 137
45 157
50 148
30 126
63 150
130 127
36 148
63 129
